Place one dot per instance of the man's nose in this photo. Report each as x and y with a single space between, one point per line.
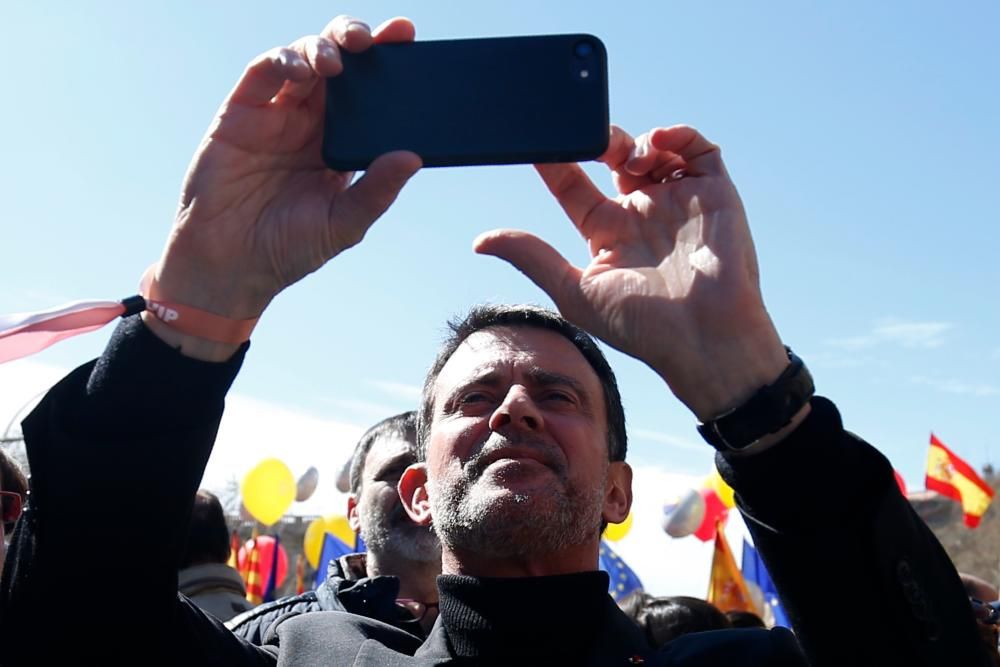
517 410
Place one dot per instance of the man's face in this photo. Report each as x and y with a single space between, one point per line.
384 525
517 460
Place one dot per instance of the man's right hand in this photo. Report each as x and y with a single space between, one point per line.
259 209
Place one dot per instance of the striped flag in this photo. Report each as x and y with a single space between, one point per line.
255 587
727 589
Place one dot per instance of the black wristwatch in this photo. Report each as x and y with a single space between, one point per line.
768 411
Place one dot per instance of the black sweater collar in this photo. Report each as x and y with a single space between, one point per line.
527 617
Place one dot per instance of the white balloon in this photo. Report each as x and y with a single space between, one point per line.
306 486
683 516
344 477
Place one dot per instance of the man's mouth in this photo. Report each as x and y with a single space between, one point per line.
515 454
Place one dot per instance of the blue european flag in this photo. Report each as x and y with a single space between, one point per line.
754 571
622 580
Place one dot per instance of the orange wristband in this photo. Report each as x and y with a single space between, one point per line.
193 321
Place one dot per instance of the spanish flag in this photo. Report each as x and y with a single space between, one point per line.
952 477
727 589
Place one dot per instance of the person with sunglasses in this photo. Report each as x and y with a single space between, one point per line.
13 490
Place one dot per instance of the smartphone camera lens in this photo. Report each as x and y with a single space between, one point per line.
583 49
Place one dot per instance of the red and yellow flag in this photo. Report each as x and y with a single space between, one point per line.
952 477
727 589
255 584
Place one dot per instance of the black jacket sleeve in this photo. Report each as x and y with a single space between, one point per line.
117 450
862 578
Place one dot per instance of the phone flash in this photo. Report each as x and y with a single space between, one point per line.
584 73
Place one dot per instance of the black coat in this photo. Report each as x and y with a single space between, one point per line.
566 620
119 447
374 597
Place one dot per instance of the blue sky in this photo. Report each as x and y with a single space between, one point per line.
862 136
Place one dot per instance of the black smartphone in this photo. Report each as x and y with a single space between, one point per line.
502 100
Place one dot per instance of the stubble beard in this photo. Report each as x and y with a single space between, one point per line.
394 533
470 517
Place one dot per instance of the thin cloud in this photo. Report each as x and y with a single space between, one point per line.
911 335
837 360
407 392
365 411
953 386
666 439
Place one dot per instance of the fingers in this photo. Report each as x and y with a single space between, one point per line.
349 33
662 154
322 56
574 191
621 146
703 158
360 205
539 261
265 76
631 160
399 29
290 74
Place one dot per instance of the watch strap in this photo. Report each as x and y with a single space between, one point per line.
768 411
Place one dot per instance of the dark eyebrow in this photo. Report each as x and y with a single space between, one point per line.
537 375
545 378
487 378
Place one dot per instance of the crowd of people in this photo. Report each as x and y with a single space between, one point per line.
482 510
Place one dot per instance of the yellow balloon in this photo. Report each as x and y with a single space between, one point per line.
335 524
616 531
268 491
723 490
341 529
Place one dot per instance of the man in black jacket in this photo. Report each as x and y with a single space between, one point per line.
517 423
394 581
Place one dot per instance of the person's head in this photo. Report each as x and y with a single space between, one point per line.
498 315
208 534
522 437
373 508
12 481
666 618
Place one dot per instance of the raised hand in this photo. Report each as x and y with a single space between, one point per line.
673 278
259 210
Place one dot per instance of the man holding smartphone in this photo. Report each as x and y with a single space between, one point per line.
521 420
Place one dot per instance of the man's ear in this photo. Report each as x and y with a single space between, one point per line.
618 493
353 516
412 489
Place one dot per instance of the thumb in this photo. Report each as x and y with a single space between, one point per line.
361 204
536 259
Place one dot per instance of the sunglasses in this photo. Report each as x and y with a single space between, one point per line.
10 506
